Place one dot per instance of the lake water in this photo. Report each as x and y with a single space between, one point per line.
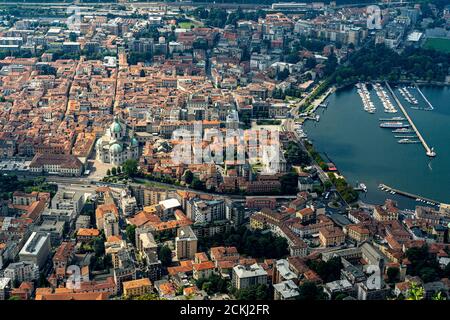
364 152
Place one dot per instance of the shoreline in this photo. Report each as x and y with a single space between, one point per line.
374 195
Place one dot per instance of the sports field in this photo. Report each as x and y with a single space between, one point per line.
188 24
439 44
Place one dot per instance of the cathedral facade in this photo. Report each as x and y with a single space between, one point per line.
117 145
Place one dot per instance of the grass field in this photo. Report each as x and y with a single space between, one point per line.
188 25
438 44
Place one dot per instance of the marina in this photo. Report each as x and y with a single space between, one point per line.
382 94
429 151
365 153
417 198
408 96
365 97
361 187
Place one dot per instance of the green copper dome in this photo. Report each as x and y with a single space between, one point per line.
116 148
116 127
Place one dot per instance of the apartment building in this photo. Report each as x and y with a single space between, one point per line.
137 287
67 199
36 249
22 271
331 237
185 243
247 276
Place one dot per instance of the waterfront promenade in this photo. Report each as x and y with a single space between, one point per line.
429 151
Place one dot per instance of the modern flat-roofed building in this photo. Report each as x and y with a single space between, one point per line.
128 205
186 243
22 271
168 206
68 199
64 215
282 272
247 276
54 228
16 41
339 286
36 249
111 224
286 290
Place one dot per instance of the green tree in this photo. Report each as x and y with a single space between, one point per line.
99 246
296 156
108 172
310 291
438 296
393 274
258 292
188 176
165 255
289 183
119 170
415 292
328 271
130 231
213 284
423 264
197 184
148 296
130 167
114 171
72 36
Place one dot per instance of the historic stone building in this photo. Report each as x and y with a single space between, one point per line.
117 145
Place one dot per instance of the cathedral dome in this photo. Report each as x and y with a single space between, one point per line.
116 148
134 142
116 127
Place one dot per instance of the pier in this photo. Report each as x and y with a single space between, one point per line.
429 151
430 106
409 195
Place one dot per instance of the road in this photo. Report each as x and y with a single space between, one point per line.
288 125
89 185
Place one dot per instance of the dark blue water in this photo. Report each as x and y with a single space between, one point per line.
364 152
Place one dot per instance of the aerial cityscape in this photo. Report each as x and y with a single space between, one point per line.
231 150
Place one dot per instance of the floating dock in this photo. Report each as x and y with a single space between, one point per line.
409 195
430 106
429 151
